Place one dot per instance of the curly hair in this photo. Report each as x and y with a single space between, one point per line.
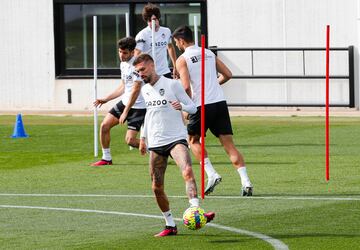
149 10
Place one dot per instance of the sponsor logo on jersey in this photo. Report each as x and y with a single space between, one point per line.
155 103
159 44
161 92
140 41
136 74
195 59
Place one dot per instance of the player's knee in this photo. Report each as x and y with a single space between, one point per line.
105 127
130 140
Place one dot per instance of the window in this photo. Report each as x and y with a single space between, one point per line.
74 32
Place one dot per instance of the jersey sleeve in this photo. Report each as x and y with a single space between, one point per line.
140 41
186 103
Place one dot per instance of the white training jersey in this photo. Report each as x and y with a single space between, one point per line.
213 90
163 124
129 76
162 39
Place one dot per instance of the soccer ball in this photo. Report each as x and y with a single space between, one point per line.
194 218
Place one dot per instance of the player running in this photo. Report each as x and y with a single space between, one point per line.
217 117
131 108
165 135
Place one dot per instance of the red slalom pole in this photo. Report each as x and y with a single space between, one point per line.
327 128
202 115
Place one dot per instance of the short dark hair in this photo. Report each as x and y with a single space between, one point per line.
184 32
127 43
143 58
149 10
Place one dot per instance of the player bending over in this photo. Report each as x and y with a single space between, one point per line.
165 135
217 117
132 106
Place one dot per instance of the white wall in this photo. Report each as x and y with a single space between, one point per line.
83 93
26 55
283 23
27 70
27 64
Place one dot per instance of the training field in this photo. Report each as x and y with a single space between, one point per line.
50 198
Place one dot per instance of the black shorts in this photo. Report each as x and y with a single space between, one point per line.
135 117
165 150
168 75
217 119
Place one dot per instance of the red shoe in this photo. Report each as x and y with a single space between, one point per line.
102 162
209 216
168 231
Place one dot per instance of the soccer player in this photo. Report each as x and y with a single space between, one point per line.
164 135
132 106
217 117
163 43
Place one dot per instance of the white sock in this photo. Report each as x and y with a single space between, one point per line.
245 181
169 219
194 202
106 154
209 169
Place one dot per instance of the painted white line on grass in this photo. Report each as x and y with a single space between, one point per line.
277 244
325 198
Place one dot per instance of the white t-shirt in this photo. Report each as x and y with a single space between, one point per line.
213 90
129 76
162 39
163 124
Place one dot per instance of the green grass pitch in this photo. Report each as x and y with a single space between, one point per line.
292 202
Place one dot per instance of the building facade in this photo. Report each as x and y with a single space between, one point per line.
46 53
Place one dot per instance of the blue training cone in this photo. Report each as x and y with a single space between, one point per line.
19 130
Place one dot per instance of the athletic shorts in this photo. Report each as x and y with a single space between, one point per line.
135 117
165 150
168 75
217 119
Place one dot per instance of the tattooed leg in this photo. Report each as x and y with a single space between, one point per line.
181 156
158 165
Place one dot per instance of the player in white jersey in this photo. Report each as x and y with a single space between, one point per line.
132 106
163 43
217 117
165 135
